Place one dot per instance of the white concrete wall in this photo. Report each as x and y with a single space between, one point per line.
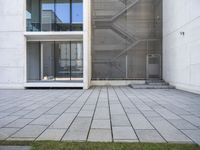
12 43
181 54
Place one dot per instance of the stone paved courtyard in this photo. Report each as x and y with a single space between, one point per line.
100 114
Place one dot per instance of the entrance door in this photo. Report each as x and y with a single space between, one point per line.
154 66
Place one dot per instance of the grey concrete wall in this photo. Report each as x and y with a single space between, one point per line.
12 43
181 53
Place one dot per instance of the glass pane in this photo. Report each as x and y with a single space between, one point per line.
76 60
33 61
62 52
47 15
77 15
47 62
32 15
62 15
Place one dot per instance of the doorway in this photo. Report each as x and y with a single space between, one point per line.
154 66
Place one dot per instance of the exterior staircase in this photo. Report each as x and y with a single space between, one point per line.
152 84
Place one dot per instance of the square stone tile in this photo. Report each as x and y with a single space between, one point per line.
6 132
85 113
80 124
102 114
75 135
140 122
15 147
64 121
182 124
78 131
30 131
100 124
45 120
100 135
124 133
19 123
167 114
192 119
149 136
120 120
168 131
193 134
7 120
116 109
51 134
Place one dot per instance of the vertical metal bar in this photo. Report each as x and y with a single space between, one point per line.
70 60
55 20
40 16
39 48
126 66
147 63
54 59
41 60
71 14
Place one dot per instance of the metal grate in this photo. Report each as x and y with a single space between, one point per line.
124 33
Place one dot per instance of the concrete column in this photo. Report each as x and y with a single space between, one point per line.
87 43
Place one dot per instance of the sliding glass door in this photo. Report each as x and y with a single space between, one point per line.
62 60
55 61
76 60
47 61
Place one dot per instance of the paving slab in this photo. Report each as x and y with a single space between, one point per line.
193 134
100 135
124 133
101 124
6 132
140 122
29 131
51 134
120 120
118 114
149 136
15 147
19 123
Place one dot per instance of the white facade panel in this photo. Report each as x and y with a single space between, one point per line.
181 44
12 42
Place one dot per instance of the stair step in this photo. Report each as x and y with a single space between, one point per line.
146 86
164 83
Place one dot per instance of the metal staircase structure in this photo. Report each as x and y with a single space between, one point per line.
104 23
111 22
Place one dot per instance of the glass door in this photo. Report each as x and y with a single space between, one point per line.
62 60
47 61
76 60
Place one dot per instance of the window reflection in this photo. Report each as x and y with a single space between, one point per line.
62 15
54 15
48 15
77 14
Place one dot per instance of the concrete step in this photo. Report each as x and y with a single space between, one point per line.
146 86
162 83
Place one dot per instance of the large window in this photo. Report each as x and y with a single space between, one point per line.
54 15
54 61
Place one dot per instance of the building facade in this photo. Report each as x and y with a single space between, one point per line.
80 43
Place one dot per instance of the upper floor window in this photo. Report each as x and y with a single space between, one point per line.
54 15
